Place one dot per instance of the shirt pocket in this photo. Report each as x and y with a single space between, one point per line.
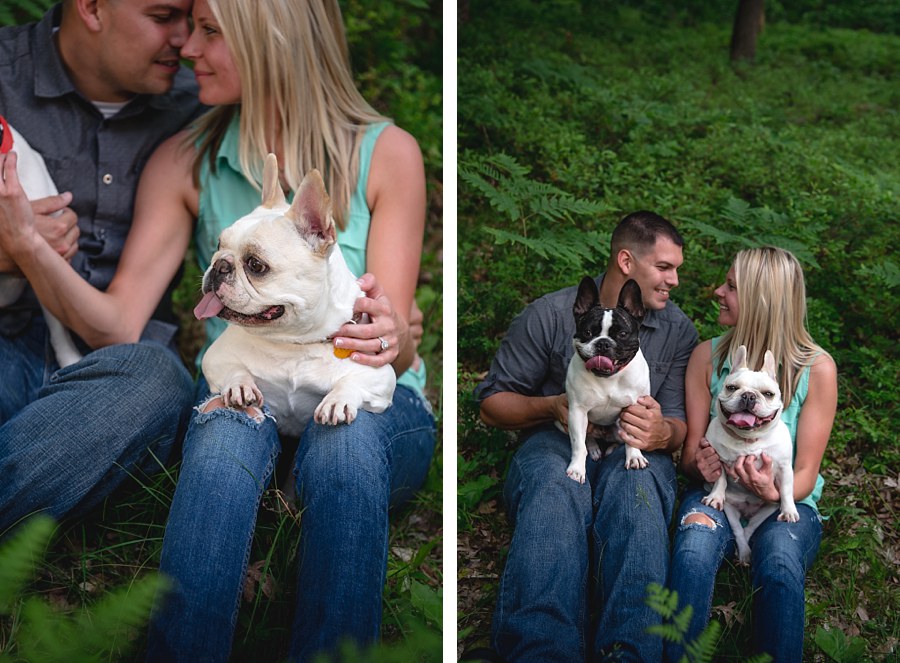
659 370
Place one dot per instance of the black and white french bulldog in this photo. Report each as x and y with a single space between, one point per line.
36 183
608 371
280 281
748 422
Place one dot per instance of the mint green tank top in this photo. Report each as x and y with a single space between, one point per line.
227 195
790 415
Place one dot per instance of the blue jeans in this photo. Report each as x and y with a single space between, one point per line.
69 437
582 549
347 477
781 553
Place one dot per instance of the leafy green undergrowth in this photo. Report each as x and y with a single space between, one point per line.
37 631
577 113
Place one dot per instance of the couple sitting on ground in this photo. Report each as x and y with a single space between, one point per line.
583 554
95 88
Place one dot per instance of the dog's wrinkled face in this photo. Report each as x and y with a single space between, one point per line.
607 339
750 401
269 269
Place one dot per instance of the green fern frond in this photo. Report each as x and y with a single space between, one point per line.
703 648
661 600
120 613
19 556
668 632
101 632
13 12
720 236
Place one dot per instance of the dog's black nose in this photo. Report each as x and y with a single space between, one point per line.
224 266
748 400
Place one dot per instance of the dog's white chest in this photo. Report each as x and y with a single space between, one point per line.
603 398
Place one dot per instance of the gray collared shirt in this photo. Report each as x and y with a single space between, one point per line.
534 355
99 160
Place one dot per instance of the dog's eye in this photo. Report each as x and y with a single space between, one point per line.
731 387
256 266
769 394
623 334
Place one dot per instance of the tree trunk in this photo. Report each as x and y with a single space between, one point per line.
749 22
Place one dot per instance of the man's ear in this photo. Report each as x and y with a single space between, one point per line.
89 13
625 261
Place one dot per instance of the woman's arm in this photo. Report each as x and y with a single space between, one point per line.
814 426
396 196
699 461
153 251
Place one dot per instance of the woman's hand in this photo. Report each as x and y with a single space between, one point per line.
18 229
367 341
759 481
707 461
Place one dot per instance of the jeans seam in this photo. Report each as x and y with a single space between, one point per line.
270 467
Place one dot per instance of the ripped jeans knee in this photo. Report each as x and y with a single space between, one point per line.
214 403
699 518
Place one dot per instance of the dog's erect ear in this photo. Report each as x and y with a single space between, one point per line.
631 299
272 195
587 298
769 365
740 359
311 212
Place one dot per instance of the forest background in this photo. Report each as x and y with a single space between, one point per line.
572 113
81 589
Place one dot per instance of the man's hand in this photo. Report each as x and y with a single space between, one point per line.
643 426
560 407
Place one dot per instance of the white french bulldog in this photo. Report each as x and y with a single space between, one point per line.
748 422
280 281
608 371
36 183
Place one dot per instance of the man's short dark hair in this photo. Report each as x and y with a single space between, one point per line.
639 231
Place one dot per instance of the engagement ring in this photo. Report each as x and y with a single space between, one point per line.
384 344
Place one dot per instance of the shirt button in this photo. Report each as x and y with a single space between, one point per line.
107 179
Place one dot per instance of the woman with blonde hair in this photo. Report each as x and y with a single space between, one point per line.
277 74
763 301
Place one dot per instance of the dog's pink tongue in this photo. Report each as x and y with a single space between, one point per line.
209 306
604 364
742 419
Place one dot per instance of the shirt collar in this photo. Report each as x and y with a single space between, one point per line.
229 153
50 77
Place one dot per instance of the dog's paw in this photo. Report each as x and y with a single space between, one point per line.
238 395
333 411
634 459
576 472
789 516
594 449
743 557
714 501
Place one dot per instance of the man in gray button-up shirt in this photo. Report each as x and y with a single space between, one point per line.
94 87
589 549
